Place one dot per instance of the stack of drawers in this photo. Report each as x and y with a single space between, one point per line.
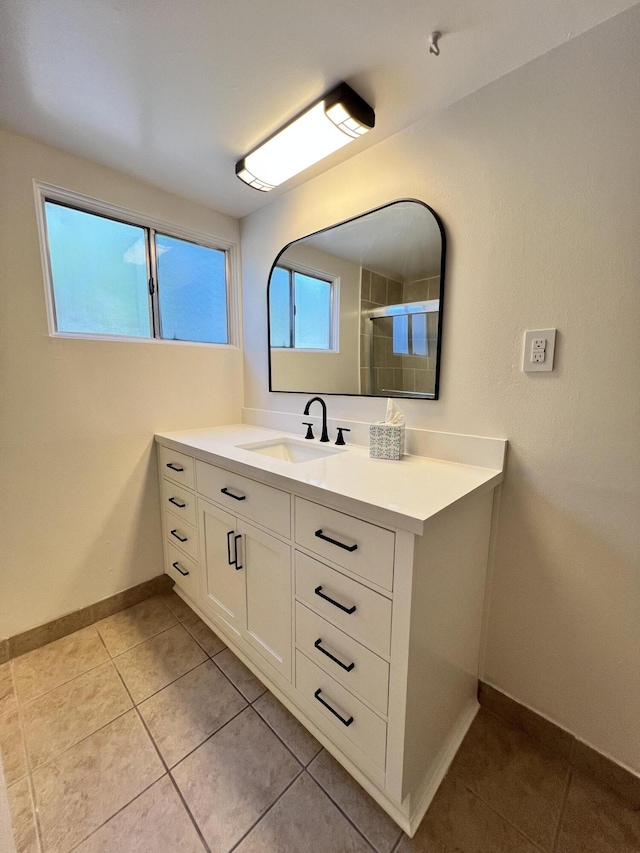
179 519
343 624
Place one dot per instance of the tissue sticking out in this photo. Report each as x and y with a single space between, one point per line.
386 438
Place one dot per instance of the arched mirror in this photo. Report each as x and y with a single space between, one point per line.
356 308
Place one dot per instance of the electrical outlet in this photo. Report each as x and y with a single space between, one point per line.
539 348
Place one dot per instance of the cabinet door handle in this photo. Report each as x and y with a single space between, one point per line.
229 535
176 503
235 548
178 537
174 467
226 492
178 569
318 591
333 710
321 535
334 659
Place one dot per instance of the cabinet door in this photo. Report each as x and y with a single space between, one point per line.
267 571
223 581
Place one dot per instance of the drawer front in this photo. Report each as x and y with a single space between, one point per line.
179 501
360 612
363 548
263 504
365 729
349 662
177 466
183 571
181 534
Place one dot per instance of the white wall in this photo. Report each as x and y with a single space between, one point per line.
537 179
79 506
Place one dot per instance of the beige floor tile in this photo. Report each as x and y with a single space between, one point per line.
515 775
86 785
157 662
458 822
130 627
303 819
231 779
185 713
237 672
177 606
73 711
7 691
210 642
23 818
41 670
598 821
12 750
302 744
155 822
374 823
606 772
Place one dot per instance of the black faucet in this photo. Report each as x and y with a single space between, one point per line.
325 434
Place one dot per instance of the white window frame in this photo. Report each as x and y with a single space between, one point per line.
334 329
48 192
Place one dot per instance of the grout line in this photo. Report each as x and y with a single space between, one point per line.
142 642
563 807
281 739
188 810
208 737
160 689
343 813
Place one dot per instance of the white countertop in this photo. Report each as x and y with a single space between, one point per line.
400 494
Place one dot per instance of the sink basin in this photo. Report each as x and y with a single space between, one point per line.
290 450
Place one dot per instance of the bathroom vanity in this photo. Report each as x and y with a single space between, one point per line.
352 587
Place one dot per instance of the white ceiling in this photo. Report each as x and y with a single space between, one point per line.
175 91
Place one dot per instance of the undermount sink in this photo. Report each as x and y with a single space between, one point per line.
290 450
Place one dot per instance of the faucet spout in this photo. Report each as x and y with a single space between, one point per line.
325 434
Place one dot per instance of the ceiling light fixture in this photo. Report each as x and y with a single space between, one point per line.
329 123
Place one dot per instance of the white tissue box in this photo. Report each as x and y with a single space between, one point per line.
386 441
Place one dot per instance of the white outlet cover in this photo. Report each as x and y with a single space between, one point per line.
528 364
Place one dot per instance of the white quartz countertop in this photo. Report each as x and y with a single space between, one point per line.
402 494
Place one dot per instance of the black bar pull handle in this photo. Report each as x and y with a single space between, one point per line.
321 535
235 548
229 535
318 591
178 537
334 659
333 710
178 569
226 492
174 467
176 503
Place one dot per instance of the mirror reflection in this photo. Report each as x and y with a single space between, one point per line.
357 308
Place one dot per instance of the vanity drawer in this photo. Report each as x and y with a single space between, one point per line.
363 548
365 729
263 504
179 501
342 657
182 570
177 466
360 612
181 534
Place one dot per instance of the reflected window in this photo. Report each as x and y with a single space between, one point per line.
301 310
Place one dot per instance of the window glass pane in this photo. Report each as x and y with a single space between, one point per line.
419 334
192 291
99 272
401 334
313 312
280 308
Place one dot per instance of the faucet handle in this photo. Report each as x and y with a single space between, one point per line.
340 438
309 427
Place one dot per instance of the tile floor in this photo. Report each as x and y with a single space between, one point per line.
143 732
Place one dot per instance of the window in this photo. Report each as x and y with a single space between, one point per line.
301 309
113 276
410 334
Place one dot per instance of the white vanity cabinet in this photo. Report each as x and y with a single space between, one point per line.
368 630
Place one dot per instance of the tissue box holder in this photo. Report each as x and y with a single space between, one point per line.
386 441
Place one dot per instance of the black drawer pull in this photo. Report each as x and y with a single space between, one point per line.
229 535
176 503
235 548
174 467
333 711
318 591
321 535
226 492
334 659
178 537
178 569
